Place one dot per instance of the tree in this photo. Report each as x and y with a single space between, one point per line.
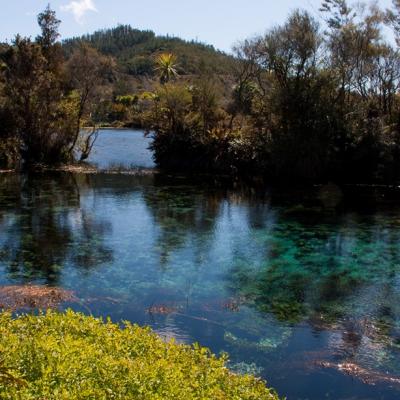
205 104
35 98
49 100
9 145
49 25
87 70
166 66
285 96
393 18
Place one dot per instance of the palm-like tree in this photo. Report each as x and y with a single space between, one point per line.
166 66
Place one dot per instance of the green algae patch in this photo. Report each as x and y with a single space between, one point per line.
72 356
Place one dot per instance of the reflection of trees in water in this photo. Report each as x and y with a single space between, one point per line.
45 227
181 213
186 212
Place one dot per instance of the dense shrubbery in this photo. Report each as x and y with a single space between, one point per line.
307 104
71 356
189 125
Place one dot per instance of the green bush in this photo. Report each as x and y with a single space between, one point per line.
72 356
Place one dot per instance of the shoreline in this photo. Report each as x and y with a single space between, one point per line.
85 169
89 169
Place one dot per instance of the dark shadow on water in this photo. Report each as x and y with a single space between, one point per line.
44 227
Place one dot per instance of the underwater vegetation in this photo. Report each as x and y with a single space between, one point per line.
17 297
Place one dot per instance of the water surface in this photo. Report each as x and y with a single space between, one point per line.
290 291
121 148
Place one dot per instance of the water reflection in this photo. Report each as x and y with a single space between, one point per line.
182 213
116 148
305 296
44 228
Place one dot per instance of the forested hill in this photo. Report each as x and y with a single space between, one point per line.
134 51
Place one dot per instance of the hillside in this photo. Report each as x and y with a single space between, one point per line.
134 51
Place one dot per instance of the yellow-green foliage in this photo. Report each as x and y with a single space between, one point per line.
72 356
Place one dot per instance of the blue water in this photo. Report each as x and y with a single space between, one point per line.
121 149
293 286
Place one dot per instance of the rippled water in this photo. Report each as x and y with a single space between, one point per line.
302 295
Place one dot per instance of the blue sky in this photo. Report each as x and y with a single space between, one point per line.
218 22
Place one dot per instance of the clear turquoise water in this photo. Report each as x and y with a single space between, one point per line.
289 292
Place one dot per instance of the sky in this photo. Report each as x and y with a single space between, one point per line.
218 22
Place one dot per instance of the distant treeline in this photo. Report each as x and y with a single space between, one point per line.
307 101
133 51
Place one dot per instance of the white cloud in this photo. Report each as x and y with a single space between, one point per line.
79 8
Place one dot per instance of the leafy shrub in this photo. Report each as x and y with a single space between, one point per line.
72 356
9 152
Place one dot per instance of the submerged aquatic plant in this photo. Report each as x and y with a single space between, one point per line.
243 368
163 309
370 377
265 344
16 297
